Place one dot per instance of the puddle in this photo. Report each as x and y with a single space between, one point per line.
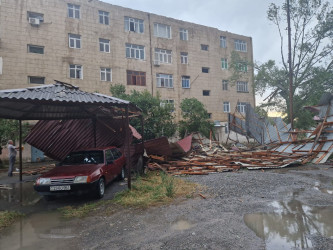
291 224
181 225
39 231
323 190
19 193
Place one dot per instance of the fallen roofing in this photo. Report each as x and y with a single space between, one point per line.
59 101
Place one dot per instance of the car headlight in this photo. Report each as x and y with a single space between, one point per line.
81 179
44 181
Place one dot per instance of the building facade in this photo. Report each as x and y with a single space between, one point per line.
92 44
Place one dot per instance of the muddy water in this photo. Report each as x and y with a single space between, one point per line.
18 193
39 231
291 224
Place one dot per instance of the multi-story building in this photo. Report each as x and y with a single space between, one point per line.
92 44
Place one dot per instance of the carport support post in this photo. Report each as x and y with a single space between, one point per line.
20 148
128 151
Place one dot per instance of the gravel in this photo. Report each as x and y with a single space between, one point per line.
216 222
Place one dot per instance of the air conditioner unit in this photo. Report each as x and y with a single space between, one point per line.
34 21
156 63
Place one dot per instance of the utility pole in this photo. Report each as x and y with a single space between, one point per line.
290 70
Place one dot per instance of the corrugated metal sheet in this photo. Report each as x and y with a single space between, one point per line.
59 101
159 146
186 143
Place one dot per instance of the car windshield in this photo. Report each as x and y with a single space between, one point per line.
84 157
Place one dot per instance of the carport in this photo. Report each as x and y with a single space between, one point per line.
63 101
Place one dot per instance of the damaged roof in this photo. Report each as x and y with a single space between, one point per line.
59 101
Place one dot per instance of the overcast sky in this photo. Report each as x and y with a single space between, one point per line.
245 17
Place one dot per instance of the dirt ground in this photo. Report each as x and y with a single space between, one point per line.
289 208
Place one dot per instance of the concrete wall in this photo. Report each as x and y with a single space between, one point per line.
16 33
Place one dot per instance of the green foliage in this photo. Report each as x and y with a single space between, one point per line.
158 119
312 62
80 211
9 130
195 118
239 66
168 182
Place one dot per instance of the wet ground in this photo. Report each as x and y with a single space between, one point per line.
288 208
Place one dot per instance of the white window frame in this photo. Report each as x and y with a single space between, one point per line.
165 102
183 57
135 51
75 39
226 107
104 17
242 87
186 83
134 24
73 11
241 106
183 34
240 45
164 81
225 84
224 63
77 70
162 30
242 66
104 45
223 41
106 74
163 56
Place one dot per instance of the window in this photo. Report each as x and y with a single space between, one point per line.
223 42
75 71
36 80
186 82
242 66
103 17
133 24
226 107
241 107
162 55
240 45
106 74
168 102
206 92
135 51
205 70
183 33
73 11
224 85
224 63
204 47
209 115
242 87
104 45
162 30
136 78
35 49
183 57
164 81
74 41
35 15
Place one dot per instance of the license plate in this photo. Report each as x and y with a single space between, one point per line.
60 188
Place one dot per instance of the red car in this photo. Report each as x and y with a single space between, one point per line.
88 170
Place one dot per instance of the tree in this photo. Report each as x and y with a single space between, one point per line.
9 130
195 118
312 60
158 116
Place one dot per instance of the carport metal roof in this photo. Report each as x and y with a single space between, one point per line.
60 101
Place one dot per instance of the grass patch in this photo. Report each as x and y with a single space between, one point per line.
155 188
80 211
7 218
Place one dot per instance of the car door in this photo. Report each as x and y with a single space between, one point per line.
109 163
118 164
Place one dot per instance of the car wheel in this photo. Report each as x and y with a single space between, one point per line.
100 188
122 174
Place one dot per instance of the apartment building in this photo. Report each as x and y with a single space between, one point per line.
92 44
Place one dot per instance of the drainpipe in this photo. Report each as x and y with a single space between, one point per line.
151 58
